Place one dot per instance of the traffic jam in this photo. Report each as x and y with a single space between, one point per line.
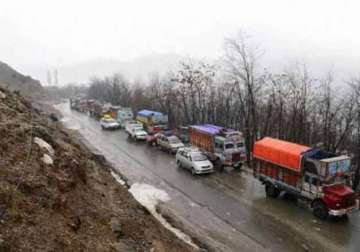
321 179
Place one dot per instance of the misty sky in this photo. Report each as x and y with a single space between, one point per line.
39 34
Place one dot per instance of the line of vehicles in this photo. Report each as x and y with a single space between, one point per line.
315 176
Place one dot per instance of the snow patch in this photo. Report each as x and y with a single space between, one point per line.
149 196
117 178
70 124
44 145
2 95
47 159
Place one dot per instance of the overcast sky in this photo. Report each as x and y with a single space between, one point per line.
39 34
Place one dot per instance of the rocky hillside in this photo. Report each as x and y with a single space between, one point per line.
15 81
57 196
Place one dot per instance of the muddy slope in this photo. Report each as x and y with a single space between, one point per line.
57 196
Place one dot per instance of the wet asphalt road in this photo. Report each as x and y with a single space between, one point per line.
228 210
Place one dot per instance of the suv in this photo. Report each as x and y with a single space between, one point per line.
194 160
169 143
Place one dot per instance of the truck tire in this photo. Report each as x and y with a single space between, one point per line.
102 127
271 191
219 165
320 210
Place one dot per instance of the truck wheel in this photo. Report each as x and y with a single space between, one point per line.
271 191
102 127
320 210
219 165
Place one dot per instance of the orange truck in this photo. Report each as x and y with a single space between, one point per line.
311 174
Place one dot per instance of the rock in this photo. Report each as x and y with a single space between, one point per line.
75 223
305 247
47 159
122 247
54 117
44 145
3 246
115 225
2 95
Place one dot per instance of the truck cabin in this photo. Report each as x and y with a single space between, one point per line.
223 144
326 167
324 172
230 141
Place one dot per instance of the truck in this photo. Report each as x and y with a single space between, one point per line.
135 130
224 147
124 115
111 110
79 104
153 121
96 110
320 178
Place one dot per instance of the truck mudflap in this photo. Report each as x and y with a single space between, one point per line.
232 164
343 211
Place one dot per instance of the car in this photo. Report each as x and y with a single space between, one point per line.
109 123
139 134
194 160
152 139
169 143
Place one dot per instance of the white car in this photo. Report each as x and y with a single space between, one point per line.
109 123
139 134
194 160
169 143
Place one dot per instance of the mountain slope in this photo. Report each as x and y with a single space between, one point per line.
57 195
15 81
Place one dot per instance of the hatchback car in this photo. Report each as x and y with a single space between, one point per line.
194 160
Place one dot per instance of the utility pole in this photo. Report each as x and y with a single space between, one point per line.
48 77
56 80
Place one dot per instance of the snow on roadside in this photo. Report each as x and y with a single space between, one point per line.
149 196
70 124
118 178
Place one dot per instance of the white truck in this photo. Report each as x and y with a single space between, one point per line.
135 130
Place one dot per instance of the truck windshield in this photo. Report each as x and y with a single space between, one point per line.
240 145
229 146
339 167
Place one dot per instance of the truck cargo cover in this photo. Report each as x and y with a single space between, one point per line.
209 128
283 153
148 113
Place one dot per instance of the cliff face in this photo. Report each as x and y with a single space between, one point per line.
15 81
55 195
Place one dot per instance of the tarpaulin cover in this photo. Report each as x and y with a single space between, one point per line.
148 113
283 153
210 128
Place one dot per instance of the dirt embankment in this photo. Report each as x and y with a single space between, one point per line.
57 196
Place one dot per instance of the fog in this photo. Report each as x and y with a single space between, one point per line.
40 35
